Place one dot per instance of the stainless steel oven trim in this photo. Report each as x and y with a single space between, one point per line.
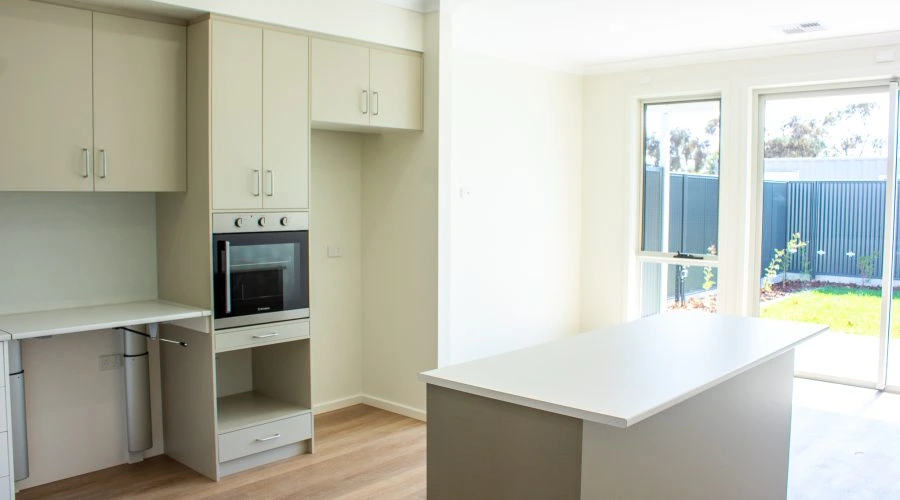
224 223
261 318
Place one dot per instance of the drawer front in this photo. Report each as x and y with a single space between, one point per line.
261 335
5 489
3 355
3 423
4 457
264 437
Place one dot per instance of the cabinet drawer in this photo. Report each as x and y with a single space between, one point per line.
3 423
5 490
4 458
264 437
255 336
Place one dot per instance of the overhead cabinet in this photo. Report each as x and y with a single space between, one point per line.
90 101
355 86
259 82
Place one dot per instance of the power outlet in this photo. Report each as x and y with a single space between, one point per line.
110 362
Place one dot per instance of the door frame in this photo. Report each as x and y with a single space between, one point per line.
759 100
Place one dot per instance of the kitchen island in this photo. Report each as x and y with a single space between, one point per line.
682 405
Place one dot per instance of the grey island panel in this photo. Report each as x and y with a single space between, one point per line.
484 448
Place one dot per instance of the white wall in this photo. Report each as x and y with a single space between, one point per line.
400 253
611 167
516 146
76 249
66 250
336 283
365 20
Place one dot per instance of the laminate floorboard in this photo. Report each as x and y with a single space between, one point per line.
361 452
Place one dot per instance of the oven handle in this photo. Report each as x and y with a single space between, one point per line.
227 277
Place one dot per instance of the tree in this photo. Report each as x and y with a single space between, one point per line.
687 152
799 139
834 135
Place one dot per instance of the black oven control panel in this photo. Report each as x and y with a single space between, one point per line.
260 222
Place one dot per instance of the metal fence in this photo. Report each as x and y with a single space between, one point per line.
841 221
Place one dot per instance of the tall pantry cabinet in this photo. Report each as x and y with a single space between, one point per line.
260 118
249 401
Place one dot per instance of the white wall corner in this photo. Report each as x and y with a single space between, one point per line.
337 404
400 409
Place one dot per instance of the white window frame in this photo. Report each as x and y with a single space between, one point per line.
669 258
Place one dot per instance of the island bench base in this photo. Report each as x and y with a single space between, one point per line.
729 441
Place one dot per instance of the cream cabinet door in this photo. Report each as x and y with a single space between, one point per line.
139 105
285 120
236 122
395 83
340 83
45 97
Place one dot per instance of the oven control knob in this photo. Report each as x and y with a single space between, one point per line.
262 221
284 221
239 222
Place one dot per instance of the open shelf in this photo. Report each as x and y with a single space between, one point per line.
247 409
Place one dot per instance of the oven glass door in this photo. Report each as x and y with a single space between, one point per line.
260 277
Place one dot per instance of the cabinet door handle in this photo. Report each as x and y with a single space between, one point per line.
375 105
87 163
227 271
266 335
103 170
273 436
257 183
364 104
271 175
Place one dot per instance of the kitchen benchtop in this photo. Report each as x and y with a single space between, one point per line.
623 374
81 319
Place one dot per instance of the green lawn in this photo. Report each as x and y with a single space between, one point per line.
848 310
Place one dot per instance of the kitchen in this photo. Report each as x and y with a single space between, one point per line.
422 247
110 248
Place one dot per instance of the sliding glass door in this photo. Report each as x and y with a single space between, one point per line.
829 217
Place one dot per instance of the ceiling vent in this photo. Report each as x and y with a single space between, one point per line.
795 29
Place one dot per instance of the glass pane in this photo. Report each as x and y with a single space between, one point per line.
823 226
893 372
681 177
668 287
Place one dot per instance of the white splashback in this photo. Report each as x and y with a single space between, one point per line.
74 249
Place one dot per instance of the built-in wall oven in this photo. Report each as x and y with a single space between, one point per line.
261 268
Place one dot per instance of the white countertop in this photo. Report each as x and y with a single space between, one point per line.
82 319
623 374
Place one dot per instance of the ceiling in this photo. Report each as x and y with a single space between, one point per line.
576 34
590 35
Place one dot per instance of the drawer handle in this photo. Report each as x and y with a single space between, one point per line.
273 436
266 335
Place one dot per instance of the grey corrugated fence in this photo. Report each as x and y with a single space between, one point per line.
843 221
834 217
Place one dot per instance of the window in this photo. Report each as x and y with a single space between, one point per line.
680 205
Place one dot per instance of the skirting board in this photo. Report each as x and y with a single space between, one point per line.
337 404
383 404
407 411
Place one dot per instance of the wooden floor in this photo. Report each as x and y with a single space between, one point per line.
361 452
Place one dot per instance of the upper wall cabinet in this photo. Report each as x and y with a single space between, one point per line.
355 86
260 118
46 134
139 105
90 101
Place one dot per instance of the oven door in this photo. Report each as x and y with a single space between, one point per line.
260 277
